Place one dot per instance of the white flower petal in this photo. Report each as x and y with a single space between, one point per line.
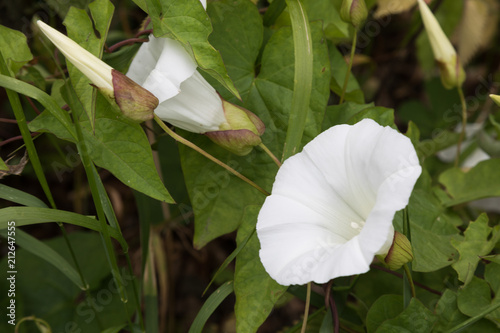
160 66
197 109
92 67
332 205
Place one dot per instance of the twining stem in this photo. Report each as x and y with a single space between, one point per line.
191 145
349 67
464 123
410 280
306 311
270 153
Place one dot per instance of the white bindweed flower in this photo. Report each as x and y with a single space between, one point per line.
332 205
134 101
187 100
452 73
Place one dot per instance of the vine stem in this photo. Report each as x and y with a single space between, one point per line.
464 124
306 311
191 145
270 153
410 280
349 67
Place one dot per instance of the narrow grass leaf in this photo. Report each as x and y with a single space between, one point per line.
20 197
210 305
45 252
303 50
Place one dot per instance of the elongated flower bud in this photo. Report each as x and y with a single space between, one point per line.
134 101
354 11
241 131
452 72
496 99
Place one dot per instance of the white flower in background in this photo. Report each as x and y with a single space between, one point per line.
449 154
134 101
452 73
332 205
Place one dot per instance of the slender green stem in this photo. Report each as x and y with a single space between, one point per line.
349 67
410 280
464 124
89 167
191 145
306 311
472 320
270 153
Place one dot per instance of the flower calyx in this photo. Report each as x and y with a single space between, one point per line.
400 252
354 12
241 131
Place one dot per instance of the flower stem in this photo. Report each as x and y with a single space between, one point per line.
270 153
191 145
464 123
410 280
351 59
306 311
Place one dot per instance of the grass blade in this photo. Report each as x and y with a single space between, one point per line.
45 252
210 305
303 77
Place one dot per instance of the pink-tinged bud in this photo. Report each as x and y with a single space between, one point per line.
400 252
354 12
133 100
241 132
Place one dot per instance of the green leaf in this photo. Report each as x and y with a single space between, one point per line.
14 48
47 101
340 114
327 12
353 92
121 146
479 240
42 291
384 308
91 35
238 35
210 305
62 7
35 215
447 311
416 318
20 197
256 292
432 229
3 166
43 251
482 181
187 22
475 298
216 195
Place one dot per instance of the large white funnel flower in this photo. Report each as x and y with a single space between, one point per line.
187 100
332 205
452 73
